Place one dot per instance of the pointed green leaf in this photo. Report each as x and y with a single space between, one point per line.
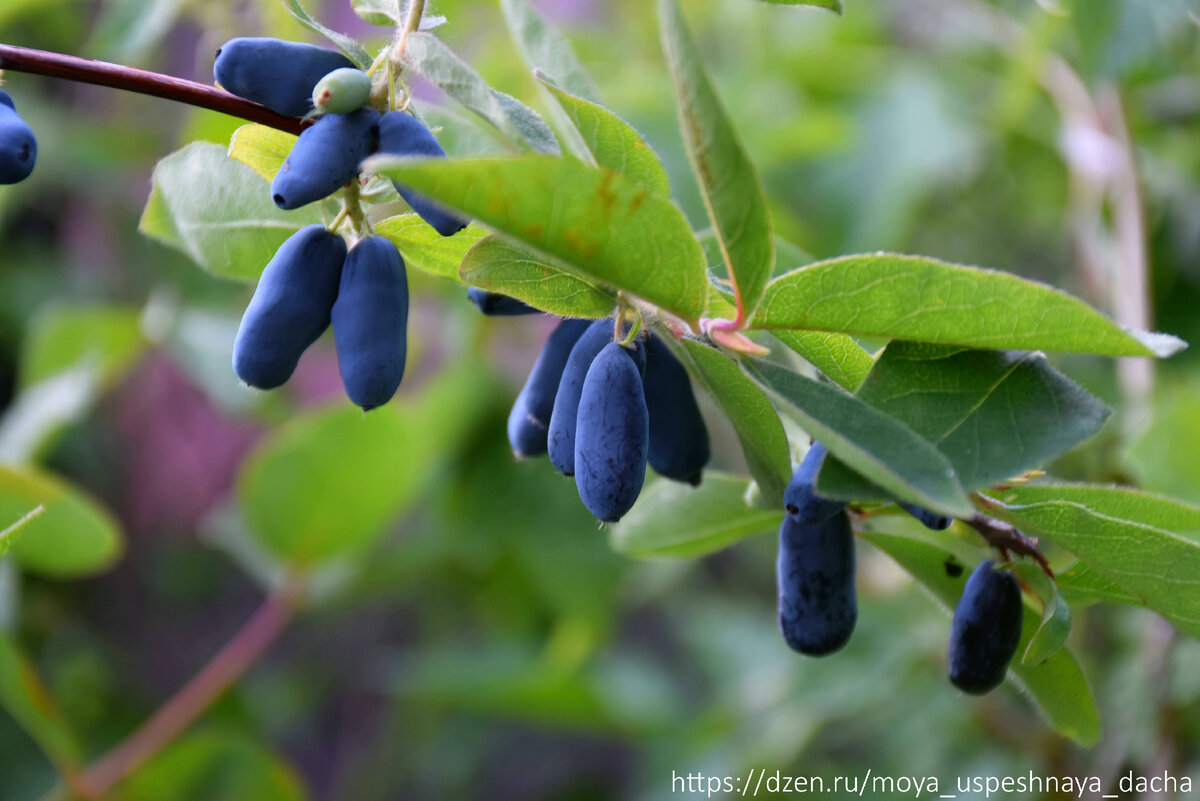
1147 544
25 697
755 420
926 300
1057 686
993 414
261 148
74 536
427 250
591 221
729 183
439 64
218 212
612 141
875 445
1055 627
497 266
543 47
672 519
841 359
379 12
347 44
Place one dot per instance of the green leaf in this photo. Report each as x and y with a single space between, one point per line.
875 445
353 50
25 697
755 420
543 47
427 250
217 211
497 266
429 56
612 141
1057 686
63 337
1080 583
74 536
1055 627
225 764
384 13
328 483
673 519
729 183
837 356
1138 540
261 148
591 221
9 535
832 5
926 300
993 414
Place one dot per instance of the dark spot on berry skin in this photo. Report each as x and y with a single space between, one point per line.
953 569
24 153
792 509
278 199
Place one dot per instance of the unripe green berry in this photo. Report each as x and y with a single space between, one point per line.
342 91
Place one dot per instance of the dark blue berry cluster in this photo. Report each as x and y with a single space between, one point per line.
817 603
313 282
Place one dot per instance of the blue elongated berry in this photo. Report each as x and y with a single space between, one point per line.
561 435
494 304
402 134
612 435
931 520
679 446
800 498
815 573
986 630
325 157
370 322
18 147
342 91
290 308
530 415
275 73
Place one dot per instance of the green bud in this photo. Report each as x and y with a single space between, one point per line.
342 91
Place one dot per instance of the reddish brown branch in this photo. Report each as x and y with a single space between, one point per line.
1008 540
183 708
102 73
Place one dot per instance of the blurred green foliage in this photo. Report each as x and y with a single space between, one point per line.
477 635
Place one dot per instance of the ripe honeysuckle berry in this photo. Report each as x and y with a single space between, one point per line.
612 435
402 134
800 498
679 446
290 308
815 573
325 158
931 520
344 90
986 629
275 73
561 434
494 304
18 147
370 322
530 415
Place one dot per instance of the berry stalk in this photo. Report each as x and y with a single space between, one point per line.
132 79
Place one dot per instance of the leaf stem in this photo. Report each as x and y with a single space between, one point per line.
131 79
1006 538
183 708
416 10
